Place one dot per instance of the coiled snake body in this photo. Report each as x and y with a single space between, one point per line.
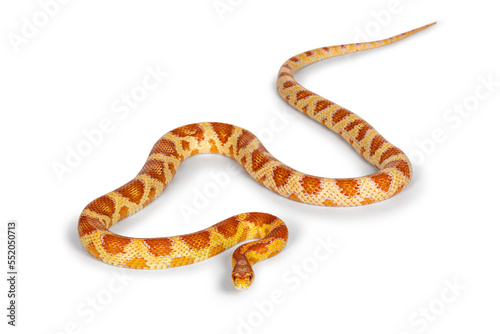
394 173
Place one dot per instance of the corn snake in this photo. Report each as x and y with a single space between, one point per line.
394 174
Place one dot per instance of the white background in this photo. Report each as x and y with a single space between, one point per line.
395 260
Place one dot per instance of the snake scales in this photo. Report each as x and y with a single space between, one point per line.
394 173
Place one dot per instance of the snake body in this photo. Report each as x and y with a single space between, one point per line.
173 148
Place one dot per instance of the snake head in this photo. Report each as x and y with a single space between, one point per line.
242 274
242 280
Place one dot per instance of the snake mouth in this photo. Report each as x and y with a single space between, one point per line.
242 281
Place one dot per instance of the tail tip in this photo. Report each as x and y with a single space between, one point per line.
429 25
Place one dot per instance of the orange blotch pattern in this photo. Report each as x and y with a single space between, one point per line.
191 130
165 147
348 187
115 244
137 263
340 115
389 153
312 185
367 201
159 246
322 105
133 191
382 180
303 94
259 219
328 202
103 205
197 241
281 175
228 227
223 131
154 169
244 139
259 159
377 143
284 74
88 225
401 166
